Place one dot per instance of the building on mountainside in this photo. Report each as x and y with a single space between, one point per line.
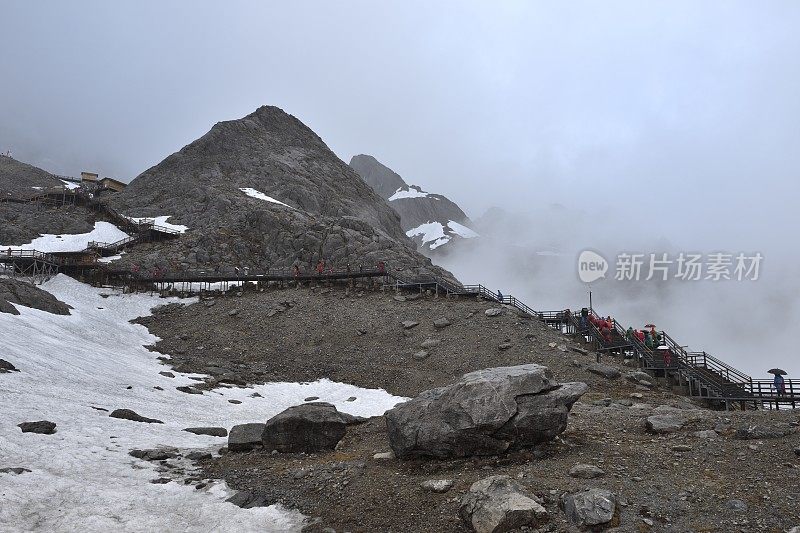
112 185
90 177
71 179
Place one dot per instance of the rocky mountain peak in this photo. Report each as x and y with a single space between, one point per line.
432 220
266 191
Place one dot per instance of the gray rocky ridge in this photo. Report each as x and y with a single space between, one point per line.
416 207
264 191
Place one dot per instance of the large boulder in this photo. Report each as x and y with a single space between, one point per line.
245 437
666 419
498 503
484 413
591 507
311 427
44 427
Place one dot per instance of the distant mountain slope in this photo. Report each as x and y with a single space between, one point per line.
21 179
264 191
432 220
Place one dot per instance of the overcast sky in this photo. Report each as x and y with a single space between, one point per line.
679 120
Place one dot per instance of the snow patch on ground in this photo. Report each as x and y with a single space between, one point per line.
412 192
160 221
261 196
103 232
461 230
110 258
82 477
70 185
431 232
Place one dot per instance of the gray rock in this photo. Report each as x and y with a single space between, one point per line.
310 427
408 324
441 323
797 451
384 456
420 355
775 431
127 414
667 419
14 470
190 390
638 376
311 399
494 311
399 298
233 312
504 346
5 366
579 350
498 503
245 437
248 500
681 448
584 471
485 412
43 427
707 434
591 507
427 344
211 431
736 505
28 295
198 456
352 420
437 485
608 372
157 454
167 374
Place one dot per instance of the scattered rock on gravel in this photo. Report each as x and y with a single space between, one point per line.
666 419
497 503
43 427
245 437
408 324
437 485
591 507
127 414
420 355
775 431
441 323
158 454
608 372
427 344
494 311
308 428
485 412
211 431
584 471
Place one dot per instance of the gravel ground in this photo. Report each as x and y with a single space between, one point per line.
675 482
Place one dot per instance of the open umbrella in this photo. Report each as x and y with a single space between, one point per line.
663 347
777 372
649 325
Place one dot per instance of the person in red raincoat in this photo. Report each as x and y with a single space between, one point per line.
321 267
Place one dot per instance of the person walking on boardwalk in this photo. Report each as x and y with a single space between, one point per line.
780 384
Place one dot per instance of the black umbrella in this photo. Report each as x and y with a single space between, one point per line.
777 372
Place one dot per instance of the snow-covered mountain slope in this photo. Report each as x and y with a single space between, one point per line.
431 219
73 370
